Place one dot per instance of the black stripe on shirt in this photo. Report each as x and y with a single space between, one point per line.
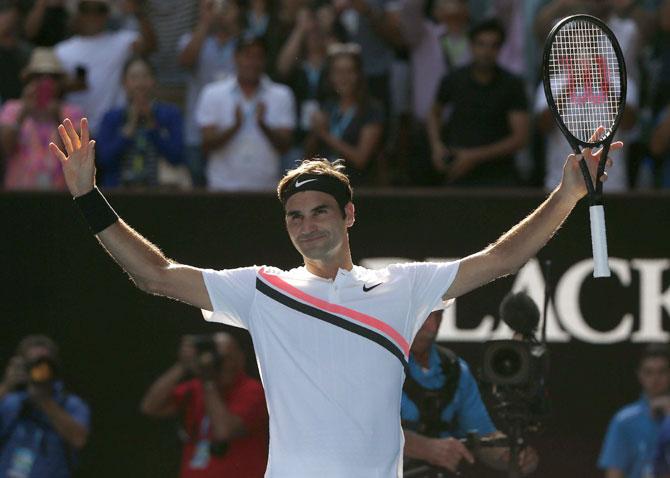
335 320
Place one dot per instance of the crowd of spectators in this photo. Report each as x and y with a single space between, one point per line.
227 94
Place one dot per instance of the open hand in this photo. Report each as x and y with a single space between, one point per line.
79 163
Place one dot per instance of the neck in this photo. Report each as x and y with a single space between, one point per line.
347 102
483 74
315 58
327 269
248 87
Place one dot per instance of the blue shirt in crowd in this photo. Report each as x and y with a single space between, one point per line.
29 445
630 442
662 458
133 161
466 410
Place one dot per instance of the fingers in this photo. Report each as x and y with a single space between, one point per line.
90 151
72 133
55 150
66 139
85 136
596 134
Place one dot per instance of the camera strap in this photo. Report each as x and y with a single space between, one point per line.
432 402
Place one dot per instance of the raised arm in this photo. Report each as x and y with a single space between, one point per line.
146 265
513 249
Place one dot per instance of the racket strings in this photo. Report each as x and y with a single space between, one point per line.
585 79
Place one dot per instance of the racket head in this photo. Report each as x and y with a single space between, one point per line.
584 78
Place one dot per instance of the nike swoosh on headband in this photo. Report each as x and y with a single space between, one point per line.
300 183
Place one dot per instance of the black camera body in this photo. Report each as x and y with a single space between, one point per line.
513 363
206 350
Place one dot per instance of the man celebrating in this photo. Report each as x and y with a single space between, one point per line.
332 339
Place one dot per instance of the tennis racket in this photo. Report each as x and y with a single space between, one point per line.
584 78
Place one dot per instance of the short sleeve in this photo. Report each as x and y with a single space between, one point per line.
517 95
127 37
471 413
429 281
208 108
231 293
249 405
615 451
282 113
78 410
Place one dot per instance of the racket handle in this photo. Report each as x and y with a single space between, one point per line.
601 267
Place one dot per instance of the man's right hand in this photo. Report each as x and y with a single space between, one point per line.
448 453
79 164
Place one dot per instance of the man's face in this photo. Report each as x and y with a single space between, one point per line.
250 63
315 224
654 376
485 48
427 333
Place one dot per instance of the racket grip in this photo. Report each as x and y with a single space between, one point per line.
601 267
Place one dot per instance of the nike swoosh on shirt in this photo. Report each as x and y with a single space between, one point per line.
368 289
300 183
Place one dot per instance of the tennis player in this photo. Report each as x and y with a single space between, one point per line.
332 338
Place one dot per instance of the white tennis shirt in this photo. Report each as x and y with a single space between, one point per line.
332 356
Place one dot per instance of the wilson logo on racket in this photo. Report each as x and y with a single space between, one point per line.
584 68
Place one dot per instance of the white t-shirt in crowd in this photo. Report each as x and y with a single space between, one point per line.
557 148
103 56
332 356
248 162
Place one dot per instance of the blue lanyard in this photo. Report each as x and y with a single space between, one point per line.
339 122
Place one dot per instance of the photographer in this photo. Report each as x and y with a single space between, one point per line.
441 404
223 411
631 439
42 427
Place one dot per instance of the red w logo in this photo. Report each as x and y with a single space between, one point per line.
580 79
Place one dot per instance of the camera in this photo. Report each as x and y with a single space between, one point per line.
513 363
206 351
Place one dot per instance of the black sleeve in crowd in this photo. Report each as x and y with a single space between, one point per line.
517 99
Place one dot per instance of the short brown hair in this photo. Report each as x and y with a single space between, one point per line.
31 341
334 169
